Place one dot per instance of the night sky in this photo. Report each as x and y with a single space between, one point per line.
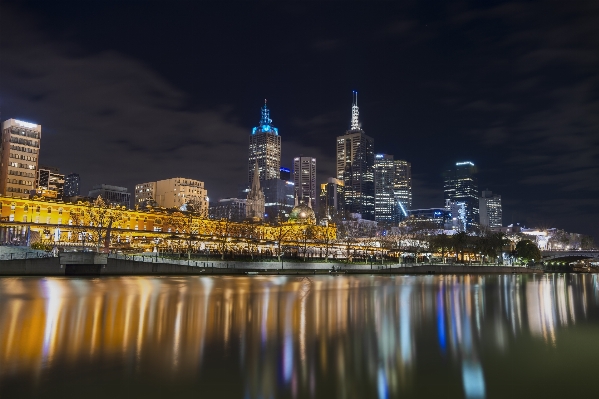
130 92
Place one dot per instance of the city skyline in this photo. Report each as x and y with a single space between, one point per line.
516 102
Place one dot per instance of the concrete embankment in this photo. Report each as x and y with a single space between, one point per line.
123 267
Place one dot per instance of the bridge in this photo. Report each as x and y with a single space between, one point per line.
590 253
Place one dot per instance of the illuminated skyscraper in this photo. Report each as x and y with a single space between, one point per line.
72 185
304 179
331 197
490 209
265 149
385 208
355 167
461 186
402 185
19 149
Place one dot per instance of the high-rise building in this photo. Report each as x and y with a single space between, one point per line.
278 199
355 167
331 197
49 183
111 194
490 209
460 186
304 179
175 192
254 208
229 208
285 174
265 149
19 152
145 194
72 185
385 208
402 186
438 217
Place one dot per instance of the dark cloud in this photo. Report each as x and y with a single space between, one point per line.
511 86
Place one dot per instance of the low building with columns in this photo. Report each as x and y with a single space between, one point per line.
63 224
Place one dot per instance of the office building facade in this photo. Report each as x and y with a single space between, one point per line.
402 186
19 153
114 195
285 174
331 197
265 149
278 199
438 217
460 186
178 192
304 179
145 194
72 185
49 183
355 167
490 209
385 209
233 209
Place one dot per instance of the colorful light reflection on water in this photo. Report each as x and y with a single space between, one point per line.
294 337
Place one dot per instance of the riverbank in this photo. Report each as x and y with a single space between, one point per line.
123 267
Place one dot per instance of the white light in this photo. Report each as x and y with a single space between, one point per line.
464 163
26 124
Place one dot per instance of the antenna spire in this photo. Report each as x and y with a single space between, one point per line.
355 113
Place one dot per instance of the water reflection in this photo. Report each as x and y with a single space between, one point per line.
292 337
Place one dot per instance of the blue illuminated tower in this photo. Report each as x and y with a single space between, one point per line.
265 149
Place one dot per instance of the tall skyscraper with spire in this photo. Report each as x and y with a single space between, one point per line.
265 149
355 166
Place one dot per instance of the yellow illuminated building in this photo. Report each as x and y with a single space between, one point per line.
57 222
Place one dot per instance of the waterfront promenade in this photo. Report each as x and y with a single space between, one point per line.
153 265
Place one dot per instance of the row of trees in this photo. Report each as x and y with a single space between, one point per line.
94 222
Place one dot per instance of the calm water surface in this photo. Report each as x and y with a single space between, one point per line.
291 337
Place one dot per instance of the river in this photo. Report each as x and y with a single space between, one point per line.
466 336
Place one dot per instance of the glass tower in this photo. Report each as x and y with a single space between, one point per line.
460 186
384 196
355 167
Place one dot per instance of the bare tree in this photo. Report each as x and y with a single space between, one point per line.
96 220
282 232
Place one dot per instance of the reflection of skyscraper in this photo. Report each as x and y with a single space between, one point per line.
265 149
304 178
490 209
355 164
461 186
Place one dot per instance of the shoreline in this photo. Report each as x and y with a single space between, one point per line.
121 267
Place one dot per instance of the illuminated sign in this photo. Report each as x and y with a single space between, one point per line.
378 156
464 163
284 170
26 124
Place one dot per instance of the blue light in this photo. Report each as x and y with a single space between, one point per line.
285 170
254 130
265 128
403 210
